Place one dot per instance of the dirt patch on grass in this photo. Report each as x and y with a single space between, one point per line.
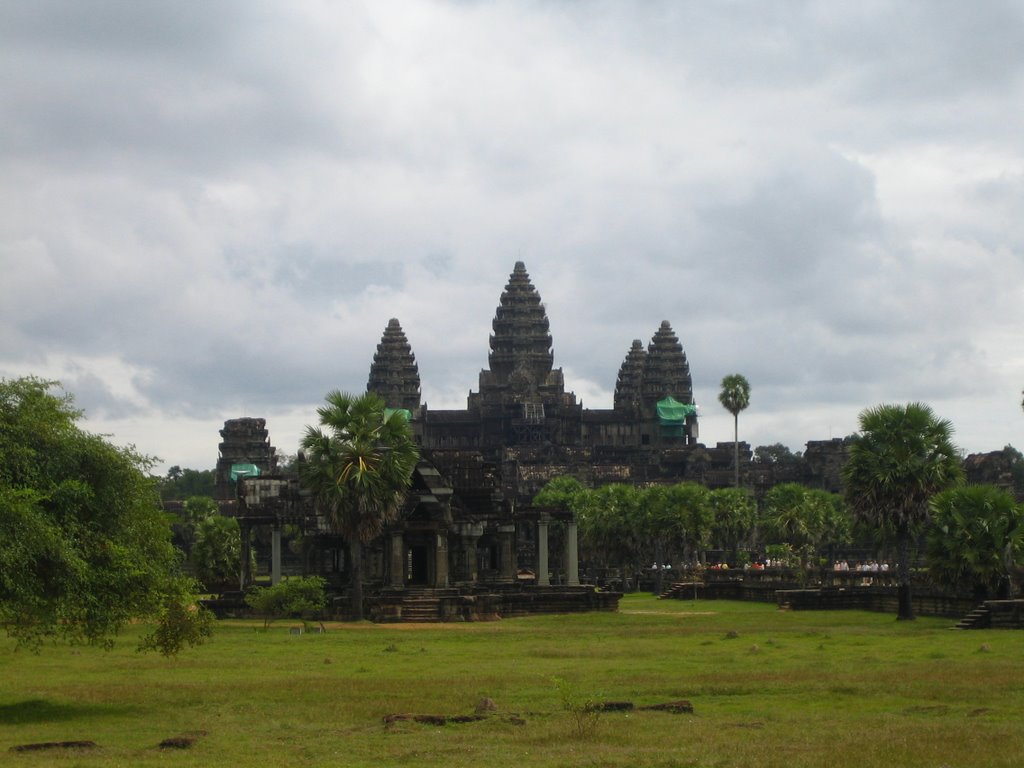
407 626
930 709
47 745
433 719
680 614
182 741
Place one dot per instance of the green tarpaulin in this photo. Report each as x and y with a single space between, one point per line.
406 414
672 413
243 470
672 416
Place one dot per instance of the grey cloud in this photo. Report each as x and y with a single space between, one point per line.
233 200
96 399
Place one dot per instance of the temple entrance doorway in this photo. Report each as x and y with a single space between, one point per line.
488 558
418 566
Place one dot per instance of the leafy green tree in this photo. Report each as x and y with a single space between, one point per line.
180 622
838 522
84 545
784 518
216 554
674 522
198 508
661 528
193 511
734 518
776 453
691 508
186 483
303 598
735 397
808 519
287 463
609 525
975 539
902 456
559 492
1016 462
359 467
562 493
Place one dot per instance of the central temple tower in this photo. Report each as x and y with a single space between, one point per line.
522 397
523 426
521 342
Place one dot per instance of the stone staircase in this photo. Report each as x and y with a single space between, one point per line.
680 590
421 609
423 604
979 618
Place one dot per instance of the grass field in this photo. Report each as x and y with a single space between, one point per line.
769 688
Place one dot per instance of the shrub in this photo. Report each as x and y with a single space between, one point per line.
180 622
583 709
293 598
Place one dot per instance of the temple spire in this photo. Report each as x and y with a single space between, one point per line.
521 342
666 371
394 374
631 372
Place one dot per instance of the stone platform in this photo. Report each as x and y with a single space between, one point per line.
481 603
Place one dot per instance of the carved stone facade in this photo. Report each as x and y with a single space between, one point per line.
467 524
243 441
393 373
523 424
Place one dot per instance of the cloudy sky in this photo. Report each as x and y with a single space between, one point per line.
211 210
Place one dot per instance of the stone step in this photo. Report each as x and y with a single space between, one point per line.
979 617
679 588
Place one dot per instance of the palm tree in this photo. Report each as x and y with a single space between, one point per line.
903 455
976 539
734 519
735 397
358 468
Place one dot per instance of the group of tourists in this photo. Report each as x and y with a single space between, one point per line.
871 566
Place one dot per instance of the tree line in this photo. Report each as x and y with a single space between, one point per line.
85 546
630 527
903 482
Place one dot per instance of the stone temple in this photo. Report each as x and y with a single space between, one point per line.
524 428
468 543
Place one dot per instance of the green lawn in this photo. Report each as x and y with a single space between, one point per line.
769 688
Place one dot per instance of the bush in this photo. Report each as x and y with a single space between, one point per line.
181 622
294 598
584 710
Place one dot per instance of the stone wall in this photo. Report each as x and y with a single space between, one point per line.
1005 614
880 599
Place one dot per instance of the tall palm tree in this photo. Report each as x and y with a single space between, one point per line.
358 467
735 397
903 455
976 539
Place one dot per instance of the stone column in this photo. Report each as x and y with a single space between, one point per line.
397 560
507 534
572 563
441 561
542 551
275 554
245 576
